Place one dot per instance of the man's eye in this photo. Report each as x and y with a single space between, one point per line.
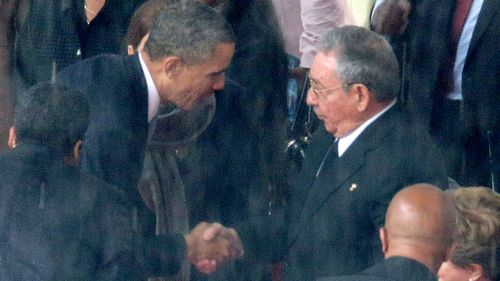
215 75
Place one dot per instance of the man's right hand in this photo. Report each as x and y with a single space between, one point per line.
211 245
391 17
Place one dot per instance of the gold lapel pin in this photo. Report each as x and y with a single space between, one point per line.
353 187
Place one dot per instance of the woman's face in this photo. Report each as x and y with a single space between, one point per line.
451 272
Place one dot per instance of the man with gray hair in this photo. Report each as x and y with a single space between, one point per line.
183 62
365 152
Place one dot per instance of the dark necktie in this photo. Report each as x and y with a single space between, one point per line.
331 155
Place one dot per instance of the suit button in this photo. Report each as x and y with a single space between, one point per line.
78 53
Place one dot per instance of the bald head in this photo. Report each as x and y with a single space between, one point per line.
419 223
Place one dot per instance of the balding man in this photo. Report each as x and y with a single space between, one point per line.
416 237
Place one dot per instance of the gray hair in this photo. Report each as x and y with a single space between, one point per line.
364 57
189 30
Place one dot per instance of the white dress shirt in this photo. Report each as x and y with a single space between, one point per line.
346 141
462 49
153 97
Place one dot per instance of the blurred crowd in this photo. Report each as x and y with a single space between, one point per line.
249 140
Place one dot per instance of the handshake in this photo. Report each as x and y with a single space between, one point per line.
210 245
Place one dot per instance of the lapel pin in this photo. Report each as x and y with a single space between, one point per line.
353 187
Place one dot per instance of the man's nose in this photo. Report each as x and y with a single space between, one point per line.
312 99
219 83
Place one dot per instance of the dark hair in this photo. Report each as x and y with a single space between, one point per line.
143 18
478 229
364 57
189 30
52 115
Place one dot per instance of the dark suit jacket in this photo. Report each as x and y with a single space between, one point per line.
115 141
429 29
391 269
56 224
38 214
113 150
428 33
428 48
117 238
56 31
333 220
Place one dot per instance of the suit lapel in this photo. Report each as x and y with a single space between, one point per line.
316 149
487 13
139 89
335 175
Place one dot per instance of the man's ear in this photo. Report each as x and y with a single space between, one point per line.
362 96
476 271
172 65
76 150
12 138
71 159
383 239
130 50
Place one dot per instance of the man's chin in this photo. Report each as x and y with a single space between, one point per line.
332 131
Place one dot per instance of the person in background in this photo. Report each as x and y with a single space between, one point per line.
288 15
39 185
40 37
416 237
361 10
318 17
476 253
451 78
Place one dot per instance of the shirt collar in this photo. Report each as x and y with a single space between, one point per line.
153 97
346 141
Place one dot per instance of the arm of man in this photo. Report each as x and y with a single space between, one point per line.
319 16
264 238
390 17
117 242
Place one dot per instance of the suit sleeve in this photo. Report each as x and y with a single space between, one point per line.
264 238
116 244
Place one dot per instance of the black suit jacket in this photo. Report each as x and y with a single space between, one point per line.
333 220
113 150
428 33
117 238
56 32
58 224
391 269
114 144
428 48
38 214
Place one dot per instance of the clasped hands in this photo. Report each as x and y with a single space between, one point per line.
210 245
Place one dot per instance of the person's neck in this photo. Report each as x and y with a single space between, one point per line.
92 8
427 256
